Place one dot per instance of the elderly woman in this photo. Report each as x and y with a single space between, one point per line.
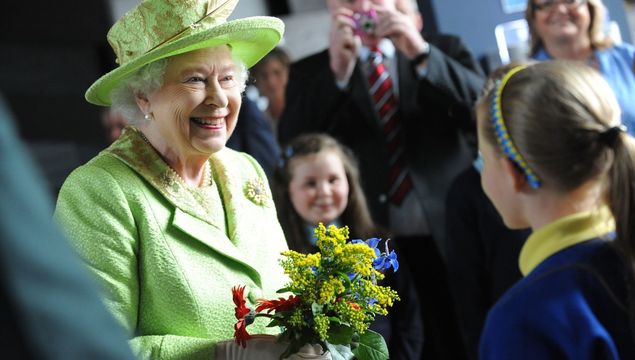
167 217
574 30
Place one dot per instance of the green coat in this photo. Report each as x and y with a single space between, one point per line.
168 256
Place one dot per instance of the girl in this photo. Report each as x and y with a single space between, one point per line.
318 181
557 159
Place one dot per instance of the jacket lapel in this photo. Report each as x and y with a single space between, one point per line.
190 216
210 236
360 93
407 88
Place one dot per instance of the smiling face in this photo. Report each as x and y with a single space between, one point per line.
562 22
318 188
196 109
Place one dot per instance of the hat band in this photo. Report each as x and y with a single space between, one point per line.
502 134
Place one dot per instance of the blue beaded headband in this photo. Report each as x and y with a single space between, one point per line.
502 135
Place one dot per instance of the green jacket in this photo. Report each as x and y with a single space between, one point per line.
167 255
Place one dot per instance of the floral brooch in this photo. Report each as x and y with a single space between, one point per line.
256 191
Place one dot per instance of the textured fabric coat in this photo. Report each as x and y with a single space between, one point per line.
167 255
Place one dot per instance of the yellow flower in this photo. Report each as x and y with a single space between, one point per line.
338 283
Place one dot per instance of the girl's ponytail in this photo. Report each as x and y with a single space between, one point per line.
621 193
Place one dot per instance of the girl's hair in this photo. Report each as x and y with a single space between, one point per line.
356 215
148 79
597 34
563 118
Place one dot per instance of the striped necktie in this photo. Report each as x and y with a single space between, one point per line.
387 107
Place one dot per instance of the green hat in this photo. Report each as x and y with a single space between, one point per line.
157 29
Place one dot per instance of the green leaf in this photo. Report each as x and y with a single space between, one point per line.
372 346
340 334
276 322
283 290
342 275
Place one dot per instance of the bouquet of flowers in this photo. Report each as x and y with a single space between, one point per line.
334 296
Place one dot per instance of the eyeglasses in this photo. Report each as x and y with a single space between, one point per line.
549 5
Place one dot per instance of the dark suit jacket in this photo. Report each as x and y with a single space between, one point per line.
436 111
254 136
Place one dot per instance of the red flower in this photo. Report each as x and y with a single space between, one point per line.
239 300
240 334
244 315
281 304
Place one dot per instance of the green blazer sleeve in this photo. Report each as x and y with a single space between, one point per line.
166 269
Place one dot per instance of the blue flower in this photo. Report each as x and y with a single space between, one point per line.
383 261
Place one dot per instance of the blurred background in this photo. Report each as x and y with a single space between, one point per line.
50 52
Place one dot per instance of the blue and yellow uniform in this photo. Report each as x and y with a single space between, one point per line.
573 302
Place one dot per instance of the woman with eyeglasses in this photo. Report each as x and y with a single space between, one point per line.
574 30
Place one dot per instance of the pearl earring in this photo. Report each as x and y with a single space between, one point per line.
146 116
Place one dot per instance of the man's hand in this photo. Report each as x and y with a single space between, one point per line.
402 29
343 44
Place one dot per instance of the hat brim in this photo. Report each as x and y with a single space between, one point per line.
250 39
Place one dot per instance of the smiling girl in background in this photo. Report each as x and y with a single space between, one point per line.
318 182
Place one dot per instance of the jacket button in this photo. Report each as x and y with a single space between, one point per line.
383 198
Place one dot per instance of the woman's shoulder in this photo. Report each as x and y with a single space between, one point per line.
102 164
622 50
103 171
238 163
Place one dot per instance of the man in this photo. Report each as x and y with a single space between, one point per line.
412 148
254 136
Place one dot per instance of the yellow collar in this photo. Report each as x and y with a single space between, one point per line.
562 233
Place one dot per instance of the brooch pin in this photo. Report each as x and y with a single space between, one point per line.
168 180
256 191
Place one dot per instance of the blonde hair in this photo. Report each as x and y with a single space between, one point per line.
597 34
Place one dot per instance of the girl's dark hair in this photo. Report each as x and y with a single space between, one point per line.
564 119
356 215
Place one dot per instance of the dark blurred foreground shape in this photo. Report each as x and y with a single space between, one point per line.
50 306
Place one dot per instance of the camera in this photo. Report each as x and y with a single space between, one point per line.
365 22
